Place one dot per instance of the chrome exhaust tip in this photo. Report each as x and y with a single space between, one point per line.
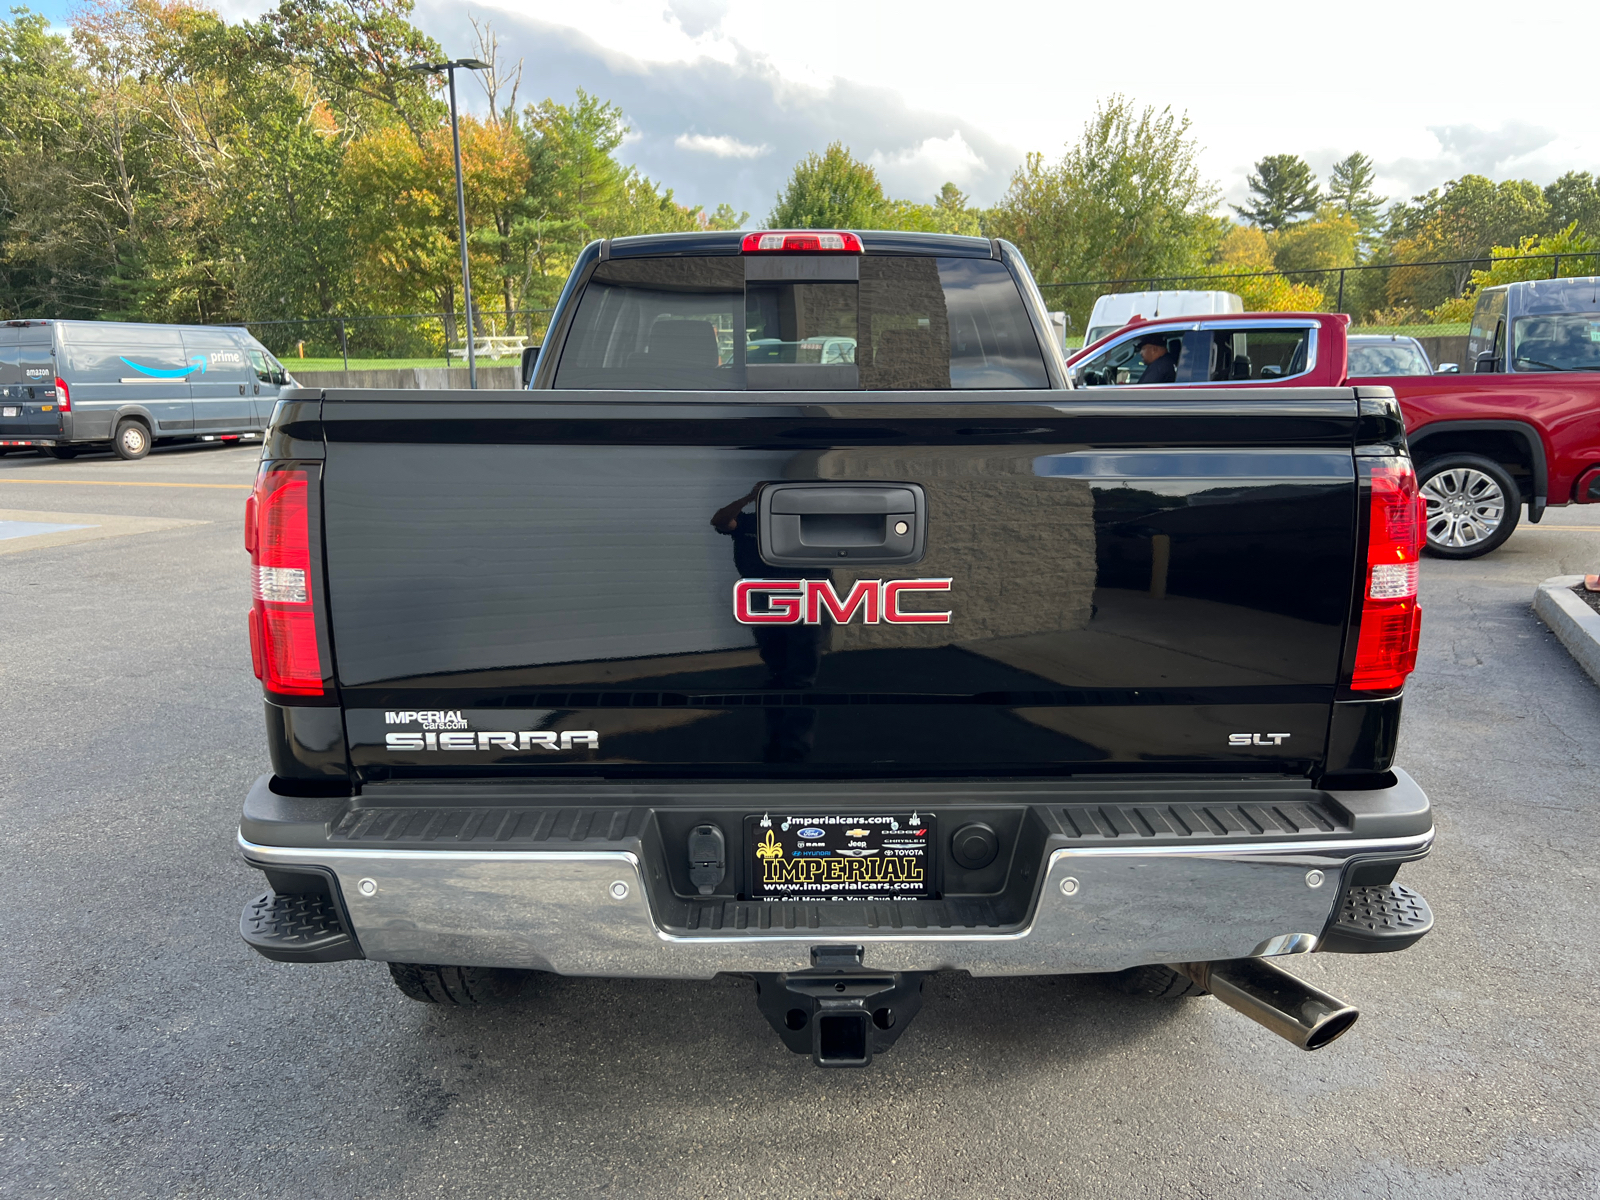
1270 996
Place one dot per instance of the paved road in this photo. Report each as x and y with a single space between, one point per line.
145 1052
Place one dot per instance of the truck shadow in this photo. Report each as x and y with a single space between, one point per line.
665 1041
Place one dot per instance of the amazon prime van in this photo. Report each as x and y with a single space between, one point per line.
66 386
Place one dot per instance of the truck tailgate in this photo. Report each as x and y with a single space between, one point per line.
524 586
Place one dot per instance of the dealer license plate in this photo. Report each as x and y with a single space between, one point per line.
805 856
10 410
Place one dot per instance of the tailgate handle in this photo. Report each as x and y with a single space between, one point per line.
835 524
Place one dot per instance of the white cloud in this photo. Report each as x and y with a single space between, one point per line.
721 146
746 70
949 158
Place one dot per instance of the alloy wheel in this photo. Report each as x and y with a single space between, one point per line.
1465 507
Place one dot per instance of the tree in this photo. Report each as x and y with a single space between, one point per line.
1242 261
1282 190
1460 222
954 213
577 191
1351 193
359 54
406 222
1125 201
831 190
723 217
1311 251
1580 255
1574 199
58 238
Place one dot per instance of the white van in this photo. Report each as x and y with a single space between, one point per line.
1113 312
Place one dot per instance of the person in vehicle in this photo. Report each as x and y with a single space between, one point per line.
1158 364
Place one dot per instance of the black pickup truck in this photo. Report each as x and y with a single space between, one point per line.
800 622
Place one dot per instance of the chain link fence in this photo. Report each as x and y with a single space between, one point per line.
402 339
1413 298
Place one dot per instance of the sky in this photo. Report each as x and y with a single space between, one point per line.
725 96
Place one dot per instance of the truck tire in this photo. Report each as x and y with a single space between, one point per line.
62 451
1473 505
1155 982
132 440
457 987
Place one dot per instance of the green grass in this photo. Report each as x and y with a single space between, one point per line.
1458 329
388 364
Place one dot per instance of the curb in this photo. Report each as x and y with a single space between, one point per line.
1571 620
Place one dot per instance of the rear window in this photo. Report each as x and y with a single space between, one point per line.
1387 358
827 323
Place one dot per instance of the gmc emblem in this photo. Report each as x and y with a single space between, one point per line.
805 601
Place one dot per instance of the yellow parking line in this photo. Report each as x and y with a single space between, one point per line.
242 487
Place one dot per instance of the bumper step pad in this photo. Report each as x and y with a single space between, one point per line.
296 928
1372 920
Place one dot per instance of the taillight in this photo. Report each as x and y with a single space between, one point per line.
63 398
805 241
1391 622
283 626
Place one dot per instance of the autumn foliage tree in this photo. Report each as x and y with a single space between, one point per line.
161 163
405 224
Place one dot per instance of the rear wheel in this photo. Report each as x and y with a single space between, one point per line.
62 451
458 987
1473 505
132 440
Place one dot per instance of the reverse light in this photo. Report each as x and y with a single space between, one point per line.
63 398
1391 621
283 627
805 241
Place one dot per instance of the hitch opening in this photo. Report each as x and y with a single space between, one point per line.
839 1013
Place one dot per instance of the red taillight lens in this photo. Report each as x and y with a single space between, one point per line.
283 627
1391 622
807 241
63 397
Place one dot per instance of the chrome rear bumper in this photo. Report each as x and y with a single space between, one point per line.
588 912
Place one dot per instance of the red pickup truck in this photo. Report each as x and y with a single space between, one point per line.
1522 428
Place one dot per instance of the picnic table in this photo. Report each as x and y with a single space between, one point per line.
509 346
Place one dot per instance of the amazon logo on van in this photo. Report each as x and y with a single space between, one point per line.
196 363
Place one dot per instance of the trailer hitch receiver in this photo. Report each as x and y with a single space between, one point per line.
838 1012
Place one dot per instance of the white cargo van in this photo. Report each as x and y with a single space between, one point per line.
1113 312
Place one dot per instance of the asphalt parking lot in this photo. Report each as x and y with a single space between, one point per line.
146 1052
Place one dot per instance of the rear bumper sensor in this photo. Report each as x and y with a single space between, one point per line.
1095 908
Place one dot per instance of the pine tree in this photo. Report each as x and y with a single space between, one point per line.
1282 190
1350 191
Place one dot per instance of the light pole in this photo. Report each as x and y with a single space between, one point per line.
449 69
